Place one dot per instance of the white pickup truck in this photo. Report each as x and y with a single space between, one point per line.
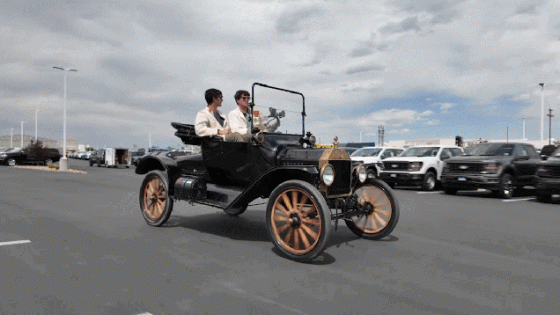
371 157
419 165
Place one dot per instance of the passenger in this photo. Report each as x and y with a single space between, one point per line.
211 122
240 118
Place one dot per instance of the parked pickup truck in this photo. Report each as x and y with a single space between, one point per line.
548 177
371 157
420 165
500 167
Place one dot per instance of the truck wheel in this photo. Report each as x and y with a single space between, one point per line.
90 163
506 187
429 181
155 202
546 198
382 211
298 220
12 162
98 164
450 191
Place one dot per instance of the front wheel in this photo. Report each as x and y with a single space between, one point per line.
155 202
382 211
506 186
12 162
429 181
298 220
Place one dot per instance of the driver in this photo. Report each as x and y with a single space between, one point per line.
240 118
211 122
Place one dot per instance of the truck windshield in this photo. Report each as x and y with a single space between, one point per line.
366 152
277 111
421 151
491 149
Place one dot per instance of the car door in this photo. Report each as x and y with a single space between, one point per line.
526 162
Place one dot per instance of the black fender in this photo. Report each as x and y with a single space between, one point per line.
266 183
161 163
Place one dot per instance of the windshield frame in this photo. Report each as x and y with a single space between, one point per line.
252 103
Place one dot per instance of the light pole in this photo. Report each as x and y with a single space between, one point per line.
36 111
12 139
22 134
63 164
523 129
542 110
550 125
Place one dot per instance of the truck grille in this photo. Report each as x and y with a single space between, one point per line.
342 179
465 167
551 171
396 166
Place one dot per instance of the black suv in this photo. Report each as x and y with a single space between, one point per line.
500 167
18 156
306 187
548 177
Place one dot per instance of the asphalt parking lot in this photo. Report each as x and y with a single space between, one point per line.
77 244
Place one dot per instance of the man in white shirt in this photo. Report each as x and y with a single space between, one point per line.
211 122
239 118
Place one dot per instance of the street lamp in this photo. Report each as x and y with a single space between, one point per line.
36 111
12 139
542 110
63 164
22 134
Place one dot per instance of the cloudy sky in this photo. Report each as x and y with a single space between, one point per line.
422 69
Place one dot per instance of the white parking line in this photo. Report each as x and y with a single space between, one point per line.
14 242
523 199
428 192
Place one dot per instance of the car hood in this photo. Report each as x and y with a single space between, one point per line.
478 159
410 159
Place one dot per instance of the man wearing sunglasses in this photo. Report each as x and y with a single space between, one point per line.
240 118
211 122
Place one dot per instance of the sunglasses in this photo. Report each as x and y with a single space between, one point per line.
246 97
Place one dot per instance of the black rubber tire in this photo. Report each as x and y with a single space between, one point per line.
450 191
506 187
148 195
313 234
429 181
392 185
11 162
382 197
90 163
544 198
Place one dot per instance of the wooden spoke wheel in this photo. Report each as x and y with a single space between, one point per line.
155 202
298 220
381 210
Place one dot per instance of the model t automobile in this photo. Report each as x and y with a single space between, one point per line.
307 188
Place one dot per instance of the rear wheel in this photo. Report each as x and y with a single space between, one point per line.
382 211
429 181
155 202
298 220
12 162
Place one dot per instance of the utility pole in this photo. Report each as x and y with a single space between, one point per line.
542 110
523 128
380 136
12 139
549 124
22 134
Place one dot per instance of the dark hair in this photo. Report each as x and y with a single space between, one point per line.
240 93
210 94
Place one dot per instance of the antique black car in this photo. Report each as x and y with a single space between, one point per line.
307 188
